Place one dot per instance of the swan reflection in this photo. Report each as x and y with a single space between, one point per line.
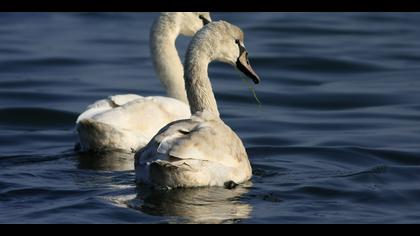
194 205
107 161
189 205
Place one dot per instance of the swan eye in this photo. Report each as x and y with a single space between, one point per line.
237 41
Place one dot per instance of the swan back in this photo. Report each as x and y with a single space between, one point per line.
201 151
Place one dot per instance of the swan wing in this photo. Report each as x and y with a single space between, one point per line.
201 151
145 115
130 125
119 100
204 137
107 104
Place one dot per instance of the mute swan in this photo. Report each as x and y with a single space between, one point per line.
202 150
128 122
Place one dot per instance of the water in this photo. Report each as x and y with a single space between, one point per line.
336 139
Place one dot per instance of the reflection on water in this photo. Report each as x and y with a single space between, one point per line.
106 161
194 205
336 139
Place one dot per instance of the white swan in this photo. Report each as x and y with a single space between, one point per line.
128 122
202 150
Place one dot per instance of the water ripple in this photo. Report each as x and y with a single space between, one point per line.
35 117
335 140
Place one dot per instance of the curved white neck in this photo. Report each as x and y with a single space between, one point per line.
198 86
166 60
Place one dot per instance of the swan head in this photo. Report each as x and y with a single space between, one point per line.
225 42
191 22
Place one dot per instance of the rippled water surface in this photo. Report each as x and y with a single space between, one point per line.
336 139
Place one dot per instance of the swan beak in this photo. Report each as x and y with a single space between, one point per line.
205 20
243 65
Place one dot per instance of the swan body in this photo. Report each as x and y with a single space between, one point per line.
127 122
201 150
129 125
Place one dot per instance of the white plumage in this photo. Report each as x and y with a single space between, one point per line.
202 150
128 122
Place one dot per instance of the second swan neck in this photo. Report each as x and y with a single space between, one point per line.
166 61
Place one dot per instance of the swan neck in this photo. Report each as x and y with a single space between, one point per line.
197 83
165 56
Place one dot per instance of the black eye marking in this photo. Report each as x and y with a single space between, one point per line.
241 48
205 21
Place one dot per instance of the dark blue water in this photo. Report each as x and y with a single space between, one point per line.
336 139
